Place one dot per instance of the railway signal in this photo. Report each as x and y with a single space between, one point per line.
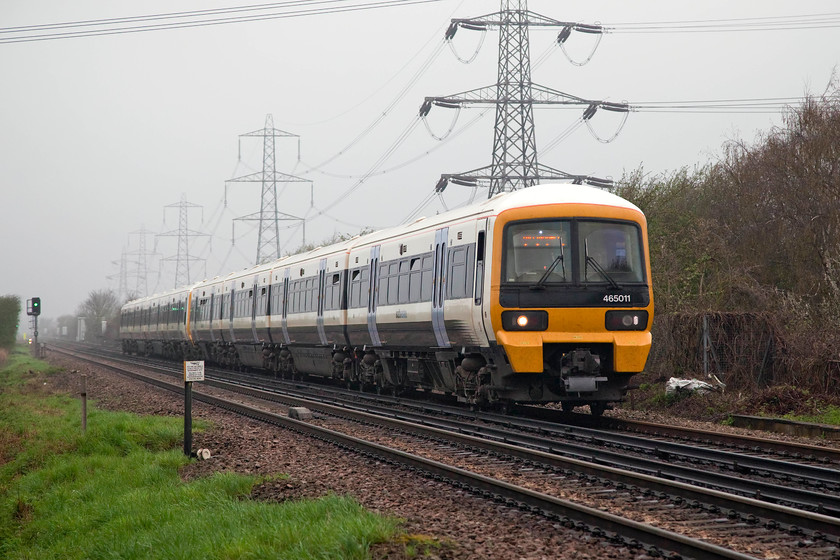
33 308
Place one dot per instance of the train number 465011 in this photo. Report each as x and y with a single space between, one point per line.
617 298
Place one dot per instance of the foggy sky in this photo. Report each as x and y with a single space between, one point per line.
98 135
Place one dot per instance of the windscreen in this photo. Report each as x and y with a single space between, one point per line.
609 249
573 251
532 248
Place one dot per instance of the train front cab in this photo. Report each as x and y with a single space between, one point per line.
571 302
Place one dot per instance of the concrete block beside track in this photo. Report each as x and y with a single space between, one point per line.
300 413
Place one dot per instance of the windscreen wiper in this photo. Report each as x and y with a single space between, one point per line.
591 261
557 260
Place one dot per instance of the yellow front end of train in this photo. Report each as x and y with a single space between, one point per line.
571 300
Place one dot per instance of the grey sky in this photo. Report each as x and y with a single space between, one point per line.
98 135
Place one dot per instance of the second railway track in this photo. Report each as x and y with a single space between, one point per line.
567 487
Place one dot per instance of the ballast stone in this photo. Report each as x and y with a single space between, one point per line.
300 413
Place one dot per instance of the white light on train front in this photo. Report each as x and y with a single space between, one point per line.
536 320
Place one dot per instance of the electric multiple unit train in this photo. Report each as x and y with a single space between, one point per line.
534 296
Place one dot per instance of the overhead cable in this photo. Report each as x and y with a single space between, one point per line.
743 106
378 163
400 95
195 18
767 23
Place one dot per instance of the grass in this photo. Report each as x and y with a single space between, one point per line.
829 415
115 491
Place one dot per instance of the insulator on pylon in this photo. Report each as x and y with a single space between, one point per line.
464 182
615 107
564 34
590 111
425 108
598 182
451 30
587 28
441 184
447 104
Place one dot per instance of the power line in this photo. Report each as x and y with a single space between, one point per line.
742 106
195 18
767 23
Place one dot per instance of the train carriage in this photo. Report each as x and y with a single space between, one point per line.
540 295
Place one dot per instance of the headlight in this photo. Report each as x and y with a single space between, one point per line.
626 320
524 320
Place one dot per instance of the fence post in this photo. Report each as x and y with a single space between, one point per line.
84 403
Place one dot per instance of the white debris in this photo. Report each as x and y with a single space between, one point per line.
676 385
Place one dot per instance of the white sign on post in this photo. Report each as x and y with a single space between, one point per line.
194 371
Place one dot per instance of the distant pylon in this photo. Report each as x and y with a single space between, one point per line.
269 217
142 262
515 162
182 258
122 282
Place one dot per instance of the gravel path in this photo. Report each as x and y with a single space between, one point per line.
459 525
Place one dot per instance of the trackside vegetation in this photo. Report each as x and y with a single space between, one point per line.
745 254
9 313
115 491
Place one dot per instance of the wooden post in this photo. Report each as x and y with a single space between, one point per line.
188 418
193 371
84 403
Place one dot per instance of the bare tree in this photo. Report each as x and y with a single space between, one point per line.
100 305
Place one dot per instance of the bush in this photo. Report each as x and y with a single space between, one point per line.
750 241
9 315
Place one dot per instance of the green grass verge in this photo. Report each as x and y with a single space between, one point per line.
829 415
115 491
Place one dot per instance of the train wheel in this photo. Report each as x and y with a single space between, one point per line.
597 408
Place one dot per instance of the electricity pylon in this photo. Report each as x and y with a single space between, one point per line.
515 162
182 258
142 269
122 277
269 218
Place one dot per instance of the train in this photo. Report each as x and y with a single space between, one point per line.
539 295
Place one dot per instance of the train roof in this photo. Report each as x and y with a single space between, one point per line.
558 193
537 195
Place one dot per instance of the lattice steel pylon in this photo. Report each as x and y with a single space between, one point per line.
122 277
269 217
142 262
515 162
182 258
514 142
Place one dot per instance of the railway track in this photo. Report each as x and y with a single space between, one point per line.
509 469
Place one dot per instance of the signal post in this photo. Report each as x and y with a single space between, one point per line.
33 309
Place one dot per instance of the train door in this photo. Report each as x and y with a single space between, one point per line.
439 287
268 310
285 323
319 321
257 301
212 317
373 295
491 274
229 304
481 268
